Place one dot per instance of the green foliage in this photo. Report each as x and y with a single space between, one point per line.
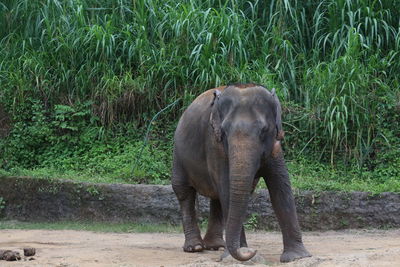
80 79
70 118
309 175
66 146
346 98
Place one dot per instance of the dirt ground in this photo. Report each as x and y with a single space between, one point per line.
80 248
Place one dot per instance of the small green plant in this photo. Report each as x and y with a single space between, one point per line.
94 192
252 222
203 223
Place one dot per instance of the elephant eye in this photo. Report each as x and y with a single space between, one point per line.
264 132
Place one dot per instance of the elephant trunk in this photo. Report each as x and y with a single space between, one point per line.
242 169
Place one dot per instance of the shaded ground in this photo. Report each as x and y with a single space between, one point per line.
81 248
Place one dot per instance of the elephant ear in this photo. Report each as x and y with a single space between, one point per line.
278 119
215 119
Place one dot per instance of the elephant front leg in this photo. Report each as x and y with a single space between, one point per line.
213 240
186 196
277 179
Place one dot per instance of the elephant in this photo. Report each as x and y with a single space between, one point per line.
225 141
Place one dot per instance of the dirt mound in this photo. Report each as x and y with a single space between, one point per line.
32 199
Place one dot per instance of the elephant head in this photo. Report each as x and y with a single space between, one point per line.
247 121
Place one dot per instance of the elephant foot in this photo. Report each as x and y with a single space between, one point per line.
294 254
193 245
213 243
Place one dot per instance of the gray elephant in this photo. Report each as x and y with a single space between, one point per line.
225 141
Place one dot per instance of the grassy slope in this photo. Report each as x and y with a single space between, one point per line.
92 226
305 175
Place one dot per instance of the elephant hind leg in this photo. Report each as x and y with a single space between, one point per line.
213 240
186 196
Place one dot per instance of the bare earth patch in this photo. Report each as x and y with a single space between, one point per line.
80 248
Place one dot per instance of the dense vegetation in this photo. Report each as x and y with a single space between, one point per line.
81 80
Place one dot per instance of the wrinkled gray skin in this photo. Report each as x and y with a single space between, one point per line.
225 141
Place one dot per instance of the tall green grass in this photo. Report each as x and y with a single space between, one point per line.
335 63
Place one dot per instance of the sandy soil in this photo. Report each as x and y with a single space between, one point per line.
80 248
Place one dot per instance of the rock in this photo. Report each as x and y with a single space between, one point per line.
29 252
9 255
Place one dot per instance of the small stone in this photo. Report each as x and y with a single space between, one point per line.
29 252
